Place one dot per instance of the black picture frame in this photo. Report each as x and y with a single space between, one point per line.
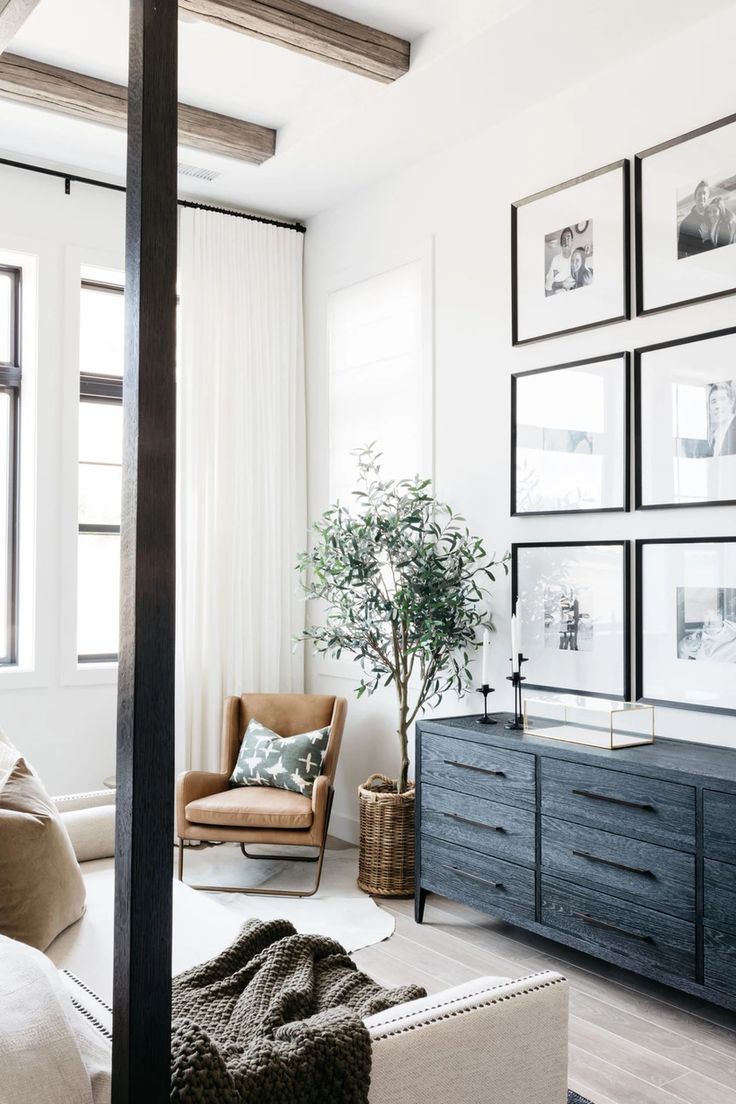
639 158
615 166
638 422
625 357
625 547
640 545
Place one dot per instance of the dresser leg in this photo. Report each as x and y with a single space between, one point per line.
420 898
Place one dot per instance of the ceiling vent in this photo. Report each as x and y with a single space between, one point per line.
196 173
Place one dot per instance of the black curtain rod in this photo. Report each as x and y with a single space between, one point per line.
68 178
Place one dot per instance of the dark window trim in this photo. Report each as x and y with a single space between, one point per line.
102 285
101 388
102 657
10 384
109 390
99 530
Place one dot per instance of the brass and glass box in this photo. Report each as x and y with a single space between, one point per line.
600 722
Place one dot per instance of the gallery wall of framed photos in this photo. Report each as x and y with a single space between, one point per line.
582 100
572 451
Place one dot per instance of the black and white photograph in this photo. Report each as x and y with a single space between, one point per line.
575 619
686 623
705 217
568 258
685 394
714 406
569 432
685 224
706 623
567 625
580 231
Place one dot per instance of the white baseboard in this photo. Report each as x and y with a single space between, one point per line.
345 828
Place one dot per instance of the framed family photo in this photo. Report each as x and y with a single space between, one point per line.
570 256
686 623
573 601
685 417
685 225
569 437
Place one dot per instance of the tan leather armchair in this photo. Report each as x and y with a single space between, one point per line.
208 812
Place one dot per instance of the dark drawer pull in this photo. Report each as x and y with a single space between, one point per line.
612 927
475 877
617 865
480 770
475 823
614 800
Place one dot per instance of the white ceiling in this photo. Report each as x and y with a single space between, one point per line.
473 62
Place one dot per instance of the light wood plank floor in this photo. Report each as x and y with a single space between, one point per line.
631 1041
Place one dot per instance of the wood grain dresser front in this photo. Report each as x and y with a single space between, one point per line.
629 855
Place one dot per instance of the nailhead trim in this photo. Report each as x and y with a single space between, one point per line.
64 799
461 1011
93 1019
87 989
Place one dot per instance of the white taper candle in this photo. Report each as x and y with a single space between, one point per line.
485 676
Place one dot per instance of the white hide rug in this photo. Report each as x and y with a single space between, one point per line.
339 909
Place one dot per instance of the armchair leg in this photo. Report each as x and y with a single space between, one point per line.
258 892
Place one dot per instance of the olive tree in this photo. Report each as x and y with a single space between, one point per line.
404 586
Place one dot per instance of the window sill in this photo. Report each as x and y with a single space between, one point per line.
91 674
15 677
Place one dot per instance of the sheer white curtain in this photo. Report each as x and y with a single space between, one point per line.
241 469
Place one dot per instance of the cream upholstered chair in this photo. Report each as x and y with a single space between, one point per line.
208 812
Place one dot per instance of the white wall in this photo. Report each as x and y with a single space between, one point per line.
462 199
62 719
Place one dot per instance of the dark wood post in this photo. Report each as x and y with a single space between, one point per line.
145 750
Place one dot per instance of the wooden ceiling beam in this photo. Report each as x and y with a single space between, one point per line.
309 30
46 86
13 14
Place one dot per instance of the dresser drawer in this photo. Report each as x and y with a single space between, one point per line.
719 895
720 961
478 769
477 880
482 825
657 876
629 804
719 825
644 939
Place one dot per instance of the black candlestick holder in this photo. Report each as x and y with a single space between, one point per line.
516 678
485 690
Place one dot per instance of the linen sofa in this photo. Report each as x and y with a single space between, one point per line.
493 1041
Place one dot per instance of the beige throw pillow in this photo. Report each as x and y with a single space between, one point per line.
41 886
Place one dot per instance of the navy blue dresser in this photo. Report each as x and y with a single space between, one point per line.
628 855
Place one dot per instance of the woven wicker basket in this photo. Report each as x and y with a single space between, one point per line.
386 862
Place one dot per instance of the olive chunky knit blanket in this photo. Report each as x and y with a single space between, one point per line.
275 1019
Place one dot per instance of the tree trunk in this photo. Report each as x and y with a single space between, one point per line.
403 745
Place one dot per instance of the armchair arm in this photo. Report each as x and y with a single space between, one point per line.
190 786
512 1036
321 796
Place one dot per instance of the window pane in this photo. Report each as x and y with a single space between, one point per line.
6 318
100 432
99 494
101 332
5 469
98 583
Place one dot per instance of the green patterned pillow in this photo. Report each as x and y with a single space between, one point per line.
285 762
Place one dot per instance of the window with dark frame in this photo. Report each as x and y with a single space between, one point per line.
10 390
100 470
